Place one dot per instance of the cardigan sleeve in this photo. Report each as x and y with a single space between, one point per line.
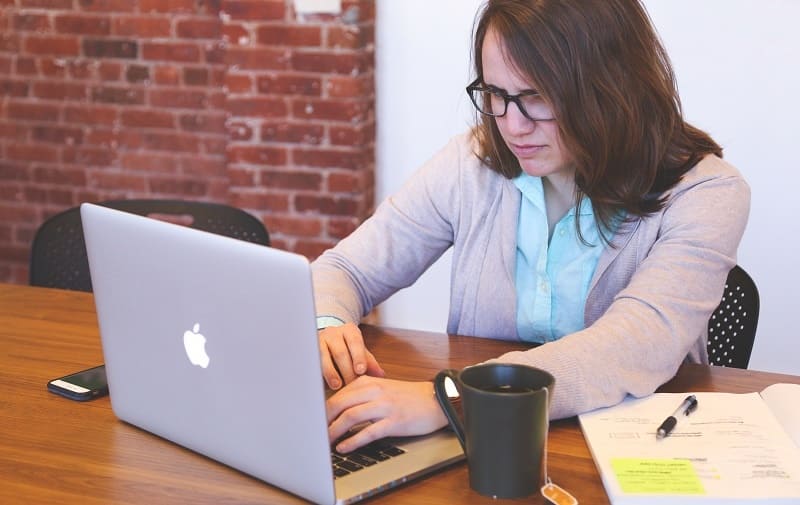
674 268
407 233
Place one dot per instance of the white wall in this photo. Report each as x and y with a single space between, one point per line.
737 67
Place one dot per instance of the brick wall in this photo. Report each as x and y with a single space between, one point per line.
235 101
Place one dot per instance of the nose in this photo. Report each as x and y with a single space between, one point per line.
515 120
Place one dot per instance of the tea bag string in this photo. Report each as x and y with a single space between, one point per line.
551 491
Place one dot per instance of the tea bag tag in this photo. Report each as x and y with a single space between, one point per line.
557 495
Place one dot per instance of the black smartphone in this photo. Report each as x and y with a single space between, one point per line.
81 386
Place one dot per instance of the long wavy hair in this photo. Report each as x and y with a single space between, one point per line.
603 69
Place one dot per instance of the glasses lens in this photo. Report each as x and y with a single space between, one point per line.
535 107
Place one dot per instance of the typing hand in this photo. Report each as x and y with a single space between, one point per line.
344 356
388 407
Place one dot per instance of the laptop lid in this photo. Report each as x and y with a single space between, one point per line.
211 342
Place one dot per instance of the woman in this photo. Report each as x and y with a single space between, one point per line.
583 211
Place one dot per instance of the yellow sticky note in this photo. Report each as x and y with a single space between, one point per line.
657 476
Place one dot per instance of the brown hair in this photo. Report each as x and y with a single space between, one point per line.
601 66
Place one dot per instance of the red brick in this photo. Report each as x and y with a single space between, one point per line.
254 10
60 46
47 4
149 162
334 110
295 226
59 175
236 34
13 88
239 130
352 135
350 87
289 35
257 107
30 22
204 123
89 156
178 142
109 71
168 6
258 200
283 84
304 133
25 66
80 69
108 48
198 28
257 59
178 99
32 111
148 118
242 176
31 152
195 76
14 131
82 24
238 83
59 90
329 158
137 73
141 26
272 179
350 36
108 5
120 95
214 145
257 155
14 172
330 62
181 186
345 182
204 166
329 205
50 67
9 42
172 51
57 134
167 74
90 115
117 181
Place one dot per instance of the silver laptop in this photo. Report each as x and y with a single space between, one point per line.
211 342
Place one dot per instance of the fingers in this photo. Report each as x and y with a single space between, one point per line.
344 356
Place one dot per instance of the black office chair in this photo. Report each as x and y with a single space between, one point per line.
732 327
58 253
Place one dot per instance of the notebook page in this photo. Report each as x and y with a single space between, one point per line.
784 401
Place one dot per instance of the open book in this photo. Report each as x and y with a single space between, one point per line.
733 449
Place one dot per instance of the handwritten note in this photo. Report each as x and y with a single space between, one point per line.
657 476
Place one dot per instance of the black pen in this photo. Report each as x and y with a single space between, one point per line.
686 407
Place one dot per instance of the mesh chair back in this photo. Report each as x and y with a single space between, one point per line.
58 253
732 327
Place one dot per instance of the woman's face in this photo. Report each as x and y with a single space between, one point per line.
536 144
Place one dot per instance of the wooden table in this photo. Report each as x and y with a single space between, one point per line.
53 450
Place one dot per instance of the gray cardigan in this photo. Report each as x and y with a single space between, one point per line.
649 300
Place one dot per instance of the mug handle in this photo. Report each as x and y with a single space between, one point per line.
447 407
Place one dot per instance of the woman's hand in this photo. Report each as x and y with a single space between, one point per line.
344 356
390 407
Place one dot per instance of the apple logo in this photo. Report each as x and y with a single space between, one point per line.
195 344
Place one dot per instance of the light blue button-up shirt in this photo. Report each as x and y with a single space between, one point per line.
552 282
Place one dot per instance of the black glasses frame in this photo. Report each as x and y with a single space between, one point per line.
478 86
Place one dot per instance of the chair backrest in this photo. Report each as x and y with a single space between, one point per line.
58 252
732 327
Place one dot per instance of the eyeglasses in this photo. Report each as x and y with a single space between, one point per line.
493 102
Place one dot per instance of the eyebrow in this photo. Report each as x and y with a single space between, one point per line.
524 92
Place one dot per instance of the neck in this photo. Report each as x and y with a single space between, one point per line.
559 197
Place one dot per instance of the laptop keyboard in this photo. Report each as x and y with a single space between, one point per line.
363 457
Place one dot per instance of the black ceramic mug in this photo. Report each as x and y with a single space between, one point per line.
505 411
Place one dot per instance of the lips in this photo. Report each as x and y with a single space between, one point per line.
526 150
